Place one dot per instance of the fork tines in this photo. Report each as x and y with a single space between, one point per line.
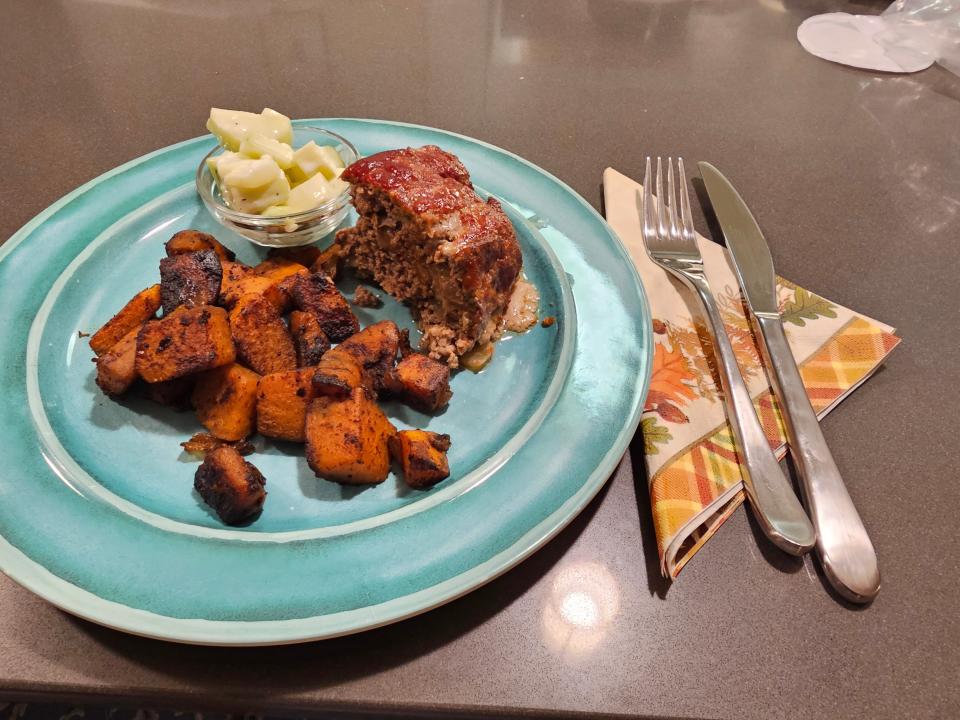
662 228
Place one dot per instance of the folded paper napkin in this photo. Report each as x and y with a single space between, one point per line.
694 475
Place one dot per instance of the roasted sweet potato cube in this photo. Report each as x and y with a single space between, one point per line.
277 268
420 382
347 439
172 393
309 340
328 261
233 487
186 341
260 335
282 400
190 279
225 399
306 255
239 280
116 368
189 241
233 272
338 373
422 456
375 348
142 307
315 293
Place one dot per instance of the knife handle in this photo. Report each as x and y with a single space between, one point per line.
846 553
776 506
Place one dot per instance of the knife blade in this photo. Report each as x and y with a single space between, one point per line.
843 545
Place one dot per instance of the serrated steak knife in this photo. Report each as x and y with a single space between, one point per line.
846 553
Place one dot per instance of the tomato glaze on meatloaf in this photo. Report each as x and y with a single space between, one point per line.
427 239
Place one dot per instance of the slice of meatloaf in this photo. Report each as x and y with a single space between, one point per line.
427 239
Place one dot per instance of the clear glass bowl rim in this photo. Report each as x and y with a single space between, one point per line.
249 219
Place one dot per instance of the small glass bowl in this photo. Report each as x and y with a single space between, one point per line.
302 228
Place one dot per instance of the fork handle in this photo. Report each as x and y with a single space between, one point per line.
776 506
846 553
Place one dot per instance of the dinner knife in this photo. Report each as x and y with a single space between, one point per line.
846 553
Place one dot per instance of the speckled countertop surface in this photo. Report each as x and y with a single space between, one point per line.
854 178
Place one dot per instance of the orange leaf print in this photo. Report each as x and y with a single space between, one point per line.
670 376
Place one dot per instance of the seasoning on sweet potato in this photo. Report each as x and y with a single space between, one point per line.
233 487
282 400
420 382
260 335
136 312
116 368
190 279
422 456
315 293
239 280
173 393
338 373
309 340
233 272
225 399
189 241
375 348
347 439
186 341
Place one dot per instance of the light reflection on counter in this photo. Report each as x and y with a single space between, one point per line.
584 599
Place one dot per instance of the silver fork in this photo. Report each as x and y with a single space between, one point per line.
673 246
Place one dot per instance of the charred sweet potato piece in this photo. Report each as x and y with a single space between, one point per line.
186 341
190 279
375 348
260 335
421 382
116 368
173 393
347 439
278 269
422 456
404 348
225 399
135 313
329 261
315 293
306 255
338 373
190 241
239 280
309 340
233 487
203 442
282 400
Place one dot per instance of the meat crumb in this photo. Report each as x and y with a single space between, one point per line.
548 321
363 297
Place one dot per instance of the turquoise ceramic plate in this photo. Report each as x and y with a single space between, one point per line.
98 513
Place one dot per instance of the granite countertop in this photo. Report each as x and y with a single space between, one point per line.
853 176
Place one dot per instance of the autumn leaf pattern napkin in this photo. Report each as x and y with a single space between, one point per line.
693 472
